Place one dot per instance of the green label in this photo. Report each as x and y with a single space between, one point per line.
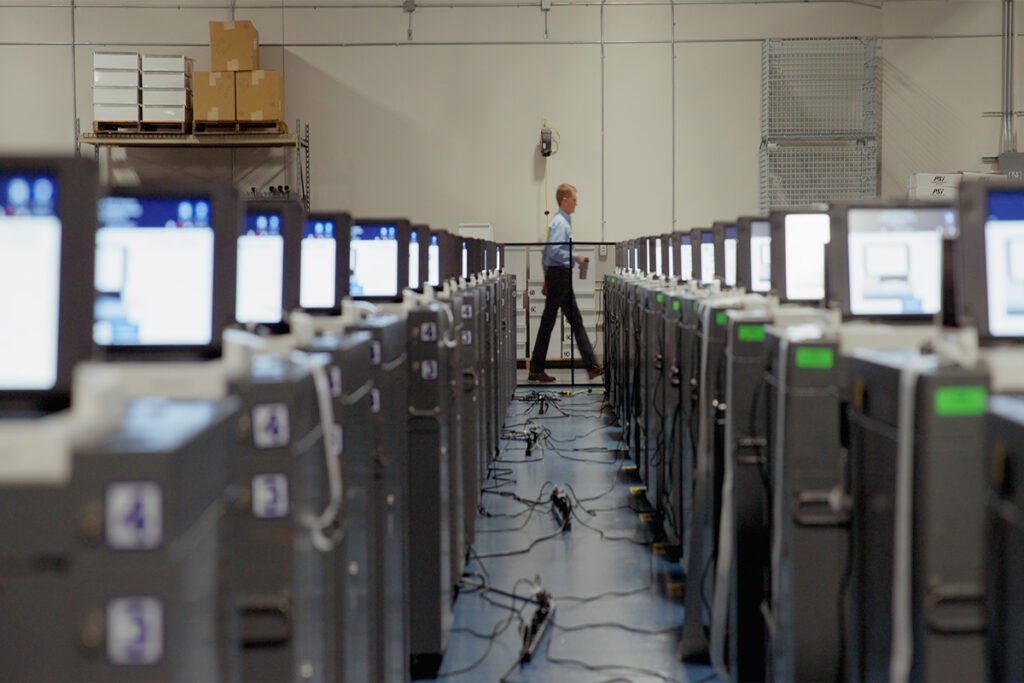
613 279
675 305
636 291
720 317
659 298
961 401
750 333
695 305
815 358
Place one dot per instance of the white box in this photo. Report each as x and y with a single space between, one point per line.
167 63
166 113
120 78
116 60
934 180
166 79
115 95
115 112
934 193
177 97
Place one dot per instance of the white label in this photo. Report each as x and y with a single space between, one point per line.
135 631
270 496
467 311
467 337
334 380
375 403
270 426
428 370
134 515
428 332
376 353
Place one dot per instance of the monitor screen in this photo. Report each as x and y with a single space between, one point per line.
670 257
260 278
434 262
636 256
730 255
760 256
657 256
414 259
497 257
895 259
317 283
685 257
373 260
30 257
806 235
1004 262
465 259
154 271
707 256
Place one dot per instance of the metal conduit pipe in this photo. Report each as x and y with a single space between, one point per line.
1008 138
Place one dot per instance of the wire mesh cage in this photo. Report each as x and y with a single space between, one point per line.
795 175
819 87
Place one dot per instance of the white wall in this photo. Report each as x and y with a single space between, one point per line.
445 128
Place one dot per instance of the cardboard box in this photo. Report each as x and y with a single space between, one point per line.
166 79
259 96
115 112
116 60
213 95
169 113
120 78
178 63
102 95
234 46
173 97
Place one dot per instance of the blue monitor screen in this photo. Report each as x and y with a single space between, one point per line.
260 282
30 245
373 260
154 272
317 277
1004 262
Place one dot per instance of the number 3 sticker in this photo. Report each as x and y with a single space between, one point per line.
135 631
269 496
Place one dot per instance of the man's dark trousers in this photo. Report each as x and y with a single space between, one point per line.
560 295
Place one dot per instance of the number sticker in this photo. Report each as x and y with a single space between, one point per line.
467 337
375 400
270 425
334 380
428 332
467 311
376 353
270 496
135 631
134 515
428 370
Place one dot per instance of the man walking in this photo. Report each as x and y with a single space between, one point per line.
558 286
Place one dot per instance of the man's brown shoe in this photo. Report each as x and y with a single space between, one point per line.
540 377
596 372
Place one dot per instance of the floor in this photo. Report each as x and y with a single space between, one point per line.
616 594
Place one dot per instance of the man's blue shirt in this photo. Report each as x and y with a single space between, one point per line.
559 230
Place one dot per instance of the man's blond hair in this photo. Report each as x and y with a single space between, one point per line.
564 191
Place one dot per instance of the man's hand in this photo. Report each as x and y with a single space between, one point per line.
579 260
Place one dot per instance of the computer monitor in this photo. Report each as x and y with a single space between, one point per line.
450 253
465 258
419 256
725 238
991 270
269 263
490 256
640 254
476 255
753 254
47 227
655 244
704 258
684 241
798 239
499 256
668 258
885 259
434 260
379 258
165 267
323 268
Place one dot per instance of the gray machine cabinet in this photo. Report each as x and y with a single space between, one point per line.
429 489
948 517
654 396
809 541
286 585
387 358
681 483
673 416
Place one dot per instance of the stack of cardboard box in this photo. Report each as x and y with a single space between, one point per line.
236 89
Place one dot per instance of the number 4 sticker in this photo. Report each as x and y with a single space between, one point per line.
133 515
467 311
270 426
429 332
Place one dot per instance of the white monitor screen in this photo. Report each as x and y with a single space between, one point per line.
636 258
317 285
373 261
671 261
259 288
805 238
657 256
895 259
154 272
730 255
760 256
707 256
685 258
30 238
465 260
414 259
1004 263
434 262
497 259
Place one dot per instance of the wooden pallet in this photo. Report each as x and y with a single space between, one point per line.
241 127
115 127
179 127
